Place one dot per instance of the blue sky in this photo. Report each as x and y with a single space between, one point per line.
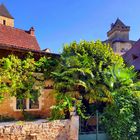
58 22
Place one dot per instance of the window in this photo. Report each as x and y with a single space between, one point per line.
20 103
33 104
4 22
123 50
27 104
134 56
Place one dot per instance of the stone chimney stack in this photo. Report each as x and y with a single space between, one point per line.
32 31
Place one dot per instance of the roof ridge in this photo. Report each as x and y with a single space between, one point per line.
118 22
14 28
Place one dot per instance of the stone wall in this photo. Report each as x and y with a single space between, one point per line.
9 21
118 46
41 130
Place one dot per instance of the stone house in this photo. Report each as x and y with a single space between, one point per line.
118 37
20 42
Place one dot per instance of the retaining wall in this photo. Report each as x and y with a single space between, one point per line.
41 130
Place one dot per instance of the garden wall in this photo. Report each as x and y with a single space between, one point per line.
41 130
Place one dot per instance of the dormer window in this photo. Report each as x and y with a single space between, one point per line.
4 22
134 56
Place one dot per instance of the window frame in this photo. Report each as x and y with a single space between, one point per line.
27 105
30 101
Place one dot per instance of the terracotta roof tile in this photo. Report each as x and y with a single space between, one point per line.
17 37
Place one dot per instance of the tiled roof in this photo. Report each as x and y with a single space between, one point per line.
17 37
136 63
4 12
119 40
132 56
135 50
118 26
119 23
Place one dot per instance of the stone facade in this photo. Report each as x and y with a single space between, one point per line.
39 130
5 17
121 47
46 100
118 37
6 21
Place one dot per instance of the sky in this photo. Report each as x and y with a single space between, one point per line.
58 22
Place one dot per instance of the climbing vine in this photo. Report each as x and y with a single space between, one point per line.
20 78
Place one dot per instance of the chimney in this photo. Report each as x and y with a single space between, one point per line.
32 31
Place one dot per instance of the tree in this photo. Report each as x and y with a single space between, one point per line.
91 71
121 118
80 73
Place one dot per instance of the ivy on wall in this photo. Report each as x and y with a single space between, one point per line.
20 78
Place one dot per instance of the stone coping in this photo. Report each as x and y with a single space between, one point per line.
27 122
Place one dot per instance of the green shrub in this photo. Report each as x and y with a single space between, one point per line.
6 118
